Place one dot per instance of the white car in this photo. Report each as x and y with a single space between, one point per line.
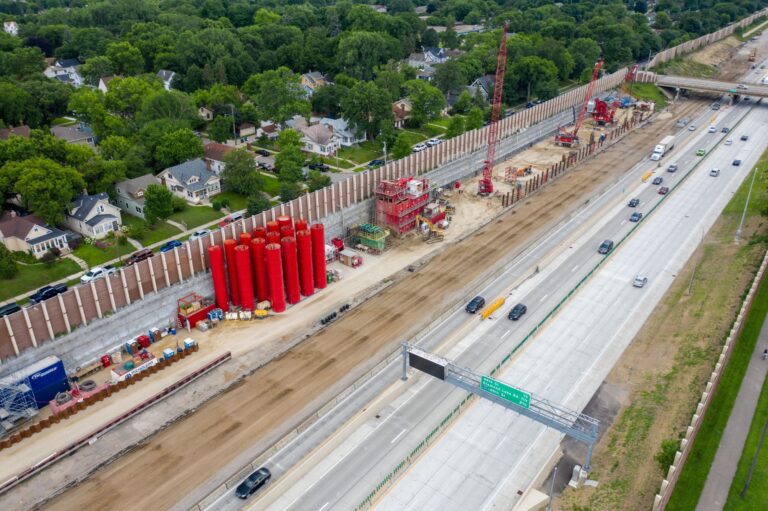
433 142
97 273
199 234
640 281
691 128
714 172
712 129
729 141
742 86
419 148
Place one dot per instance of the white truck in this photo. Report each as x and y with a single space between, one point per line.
663 147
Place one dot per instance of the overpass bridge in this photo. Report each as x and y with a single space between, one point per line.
716 86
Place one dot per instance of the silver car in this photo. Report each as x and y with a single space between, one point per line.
640 281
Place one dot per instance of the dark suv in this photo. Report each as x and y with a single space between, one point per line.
475 304
253 482
605 247
47 292
517 311
634 203
138 256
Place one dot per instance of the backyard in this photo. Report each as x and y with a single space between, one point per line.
101 251
151 235
195 216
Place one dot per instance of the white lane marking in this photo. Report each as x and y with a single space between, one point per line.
395 439
575 268
543 298
506 334
623 222
324 506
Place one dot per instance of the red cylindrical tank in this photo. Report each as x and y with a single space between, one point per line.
291 269
306 276
260 232
273 237
245 279
275 273
245 238
284 220
300 224
318 254
260 269
216 255
234 290
273 226
286 231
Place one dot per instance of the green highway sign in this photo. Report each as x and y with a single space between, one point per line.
505 391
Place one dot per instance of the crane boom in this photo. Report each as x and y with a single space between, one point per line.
486 183
570 138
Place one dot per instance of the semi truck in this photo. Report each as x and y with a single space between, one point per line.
663 147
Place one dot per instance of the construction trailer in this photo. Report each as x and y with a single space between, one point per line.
399 202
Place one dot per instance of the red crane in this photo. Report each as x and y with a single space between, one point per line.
571 138
486 183
604 113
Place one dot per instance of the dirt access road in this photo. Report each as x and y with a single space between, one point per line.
178 460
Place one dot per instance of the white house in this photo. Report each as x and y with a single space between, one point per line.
205 113
313 80
11 28
65 70
343 132
104 83
93 216
167 78
191 181
30 234
319 139
268 129
214 156
130 193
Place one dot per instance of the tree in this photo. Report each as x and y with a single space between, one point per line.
163 104
317 180
427 101
290 190
450 39
95 68
158 203
125 96
126 59
327 100
402 147
367 107
360 52
240 174
8 268
455 127
278 94
47 187
463 103
16 105
429 38
100 175
257 203
290 160
533 77
176 147
474 120
220 129
449 77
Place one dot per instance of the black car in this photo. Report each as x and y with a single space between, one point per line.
725 130
252 483
9 308
635 217
322 167
375 163
605 247
634 203
517 311
263 152
736 163
47 292
657 180
475 304
744 138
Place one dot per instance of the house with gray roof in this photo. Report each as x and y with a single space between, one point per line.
130 194
319 139
78 134
65 70
191 181
343 132
93 216
30 234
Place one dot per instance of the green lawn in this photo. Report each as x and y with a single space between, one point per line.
649 92
35 276
413 137
194 216
442 122
236 201
61 121
366 152
94 255
685 66
340 163
428 131
160 232
271 186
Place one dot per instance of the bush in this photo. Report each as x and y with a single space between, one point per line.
258 203
8 268
178 204
122 241
137 231
666 456
216 204
50 256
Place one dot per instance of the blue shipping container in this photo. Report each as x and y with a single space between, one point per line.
46 378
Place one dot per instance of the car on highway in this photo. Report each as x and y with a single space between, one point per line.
742 86
712 129
682 122
691 128
657 181
729 141
199 234
139 255
725 130
167 247
47 292
701 152
744 138
433 142
634 203
262 152
9 308
375 163
419 148
97 273
475 304
714 172
715 106
672 167
736 163
605 247
253 482
663 190
640 281
517 311
636 216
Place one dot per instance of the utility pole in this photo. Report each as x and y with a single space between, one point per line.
385 152
234 133
746 205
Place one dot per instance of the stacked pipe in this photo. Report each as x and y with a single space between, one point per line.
286 231
273 226
273 238
284 221
245 238
234 290
245 284
300 224
260 232
291 269
260 269
216 255
275 275
317 232
306 276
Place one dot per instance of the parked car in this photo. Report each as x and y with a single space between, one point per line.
199 234
744 138
663 190
252 483
605 247
97 272
634 203
736 163
171 245
433 142
635 217
475 304
47 292
517 311
375 163
139 255
263 152
9 308
322 167
419 148
234 217
657 181
712 129
640 281
672 167
701 152
729 141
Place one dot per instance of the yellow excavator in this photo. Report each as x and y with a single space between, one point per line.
432 233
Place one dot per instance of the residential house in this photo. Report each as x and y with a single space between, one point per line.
245 130
462 30
381 9
93 216
205 113
421 9
191 180
402 111
482 86
167 78
80 134
30 234
319 139
11 28
130 193
268 129
214 156
297 122
66 71
343 132
18 131
313 80
104 83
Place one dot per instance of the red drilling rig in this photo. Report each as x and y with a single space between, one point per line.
486 183
570 138
604 113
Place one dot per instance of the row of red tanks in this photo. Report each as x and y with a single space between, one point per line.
280 262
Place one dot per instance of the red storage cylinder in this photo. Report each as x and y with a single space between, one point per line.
317 232
306 276
284 220
291 269
275 275
260 269
300 224
259 232
286 231
273 226
106 361
273 238
216 255
144 341
245 279
245 239
234 290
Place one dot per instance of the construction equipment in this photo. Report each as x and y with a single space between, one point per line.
753 55
605 113
566 138
432 233
486 183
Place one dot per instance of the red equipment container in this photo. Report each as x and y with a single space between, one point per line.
106 361
286 231
245 238
275 274
306 276
234 290
216 255
273 237
144 341
338 243
260 232
260 269
317 231
291 269
284 220
300 224
273 226
243 256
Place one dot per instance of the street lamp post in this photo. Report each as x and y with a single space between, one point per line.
746 205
